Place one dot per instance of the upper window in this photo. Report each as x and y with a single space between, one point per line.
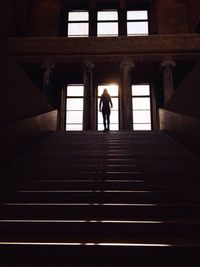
78 24
137 22
107 23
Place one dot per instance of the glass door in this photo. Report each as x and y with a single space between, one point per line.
113 90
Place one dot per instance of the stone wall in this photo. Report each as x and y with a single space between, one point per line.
184 128
20 98
45 18
186 98
5 20
193 14
172 16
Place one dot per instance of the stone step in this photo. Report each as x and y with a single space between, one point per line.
104 231
101 253
94 199
101 184
97 211
123 196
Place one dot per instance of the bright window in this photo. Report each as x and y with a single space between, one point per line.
137 22
141 103
107 23
78 24
74 107
114 115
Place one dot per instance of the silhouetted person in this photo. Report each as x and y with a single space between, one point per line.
104 107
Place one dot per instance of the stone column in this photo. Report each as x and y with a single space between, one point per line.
122 18
88 106
168 85
63 109
48 68
126 95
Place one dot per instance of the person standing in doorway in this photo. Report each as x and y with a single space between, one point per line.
104 106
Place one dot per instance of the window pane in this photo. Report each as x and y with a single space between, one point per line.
107 15
137 28
114 117
74 127
78 16
112 89
141 117
107 29
74 116
75 90
115 102
74 104
78 29
100 117
144 127
141 103
138 90
100 127
114 127
137 15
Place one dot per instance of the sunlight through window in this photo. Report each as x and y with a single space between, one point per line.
78 24
74 107
114 116
107 23
141 107
137 22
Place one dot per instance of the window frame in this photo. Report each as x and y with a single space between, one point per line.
78 22
137 21
149 96
108 21
66 110
106 85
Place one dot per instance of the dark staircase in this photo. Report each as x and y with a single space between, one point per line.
95 199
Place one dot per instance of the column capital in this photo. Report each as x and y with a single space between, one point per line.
126 65
88 65
48 65
168 62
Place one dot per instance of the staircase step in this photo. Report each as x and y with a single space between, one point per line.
89 196
102 230
98 200
96 211
102 252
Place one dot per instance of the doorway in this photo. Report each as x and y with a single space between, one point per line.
113 90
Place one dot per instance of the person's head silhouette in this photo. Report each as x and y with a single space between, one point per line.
105 91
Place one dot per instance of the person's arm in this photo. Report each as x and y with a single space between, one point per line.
111 104
100 104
